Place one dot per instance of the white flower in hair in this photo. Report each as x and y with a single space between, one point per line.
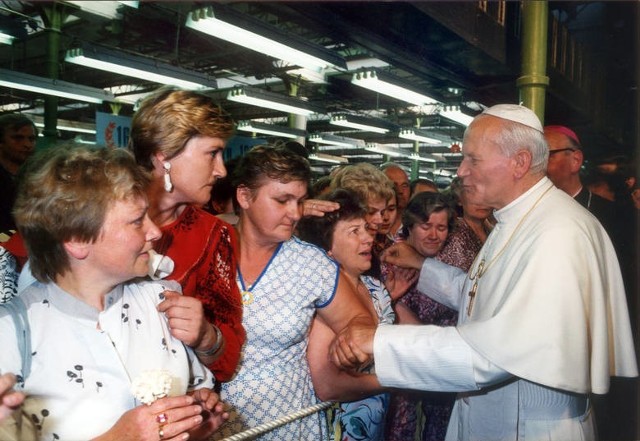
151 385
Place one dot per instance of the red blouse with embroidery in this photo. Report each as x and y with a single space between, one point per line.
202 248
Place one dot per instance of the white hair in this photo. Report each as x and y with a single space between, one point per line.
514 137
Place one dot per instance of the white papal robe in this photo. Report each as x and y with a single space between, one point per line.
549 325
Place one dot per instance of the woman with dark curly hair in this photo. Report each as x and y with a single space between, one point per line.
343 234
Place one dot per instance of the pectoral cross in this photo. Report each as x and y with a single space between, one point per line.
472 296
476 278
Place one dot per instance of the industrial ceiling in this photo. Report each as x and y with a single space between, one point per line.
458 52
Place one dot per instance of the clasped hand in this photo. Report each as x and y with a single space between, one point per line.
193 417
352 349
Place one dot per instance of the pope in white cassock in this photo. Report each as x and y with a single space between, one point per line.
543 319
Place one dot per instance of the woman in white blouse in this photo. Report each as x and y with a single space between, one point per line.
90 330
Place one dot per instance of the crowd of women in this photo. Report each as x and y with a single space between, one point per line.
243 322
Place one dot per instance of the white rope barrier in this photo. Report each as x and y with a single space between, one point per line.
266 427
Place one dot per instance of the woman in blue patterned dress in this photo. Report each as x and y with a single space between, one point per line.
284 282
343 234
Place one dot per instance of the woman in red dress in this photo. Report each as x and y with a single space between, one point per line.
179 137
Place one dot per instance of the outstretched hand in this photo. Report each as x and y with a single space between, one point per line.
403 255
399 280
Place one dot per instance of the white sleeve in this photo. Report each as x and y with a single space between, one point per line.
443 283
433 358
18 426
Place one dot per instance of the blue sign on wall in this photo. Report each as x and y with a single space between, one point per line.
238 145
112 130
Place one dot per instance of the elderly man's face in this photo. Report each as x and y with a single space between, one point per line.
401 184
487 175
564 161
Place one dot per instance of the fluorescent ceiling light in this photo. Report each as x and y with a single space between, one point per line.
105 9
227 24
6 38
14 107
79 140
240 81
377 148
417 157
261 98
361 123
339 141
313 76
443 172
455 114
333 148
368 63
47 86
68 126
418 135
138 67
328 158
386 84
271 129
129 93
361 156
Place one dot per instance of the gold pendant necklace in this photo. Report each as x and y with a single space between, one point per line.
247 297
245 294
483 267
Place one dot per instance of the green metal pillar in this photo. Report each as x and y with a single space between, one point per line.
53 17
533 81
